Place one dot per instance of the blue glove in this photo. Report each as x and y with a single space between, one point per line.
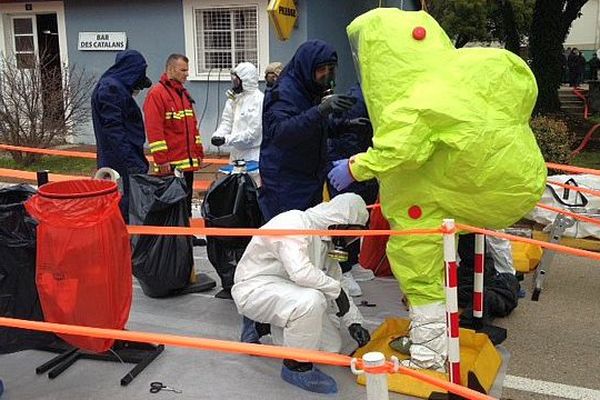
340 176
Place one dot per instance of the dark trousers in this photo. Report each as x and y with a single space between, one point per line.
124 203
189 182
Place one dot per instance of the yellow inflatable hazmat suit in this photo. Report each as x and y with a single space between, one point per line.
451 140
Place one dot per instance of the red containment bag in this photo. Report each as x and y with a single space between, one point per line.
372 252
83 268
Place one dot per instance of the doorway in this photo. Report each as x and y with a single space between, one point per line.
33 41
50 65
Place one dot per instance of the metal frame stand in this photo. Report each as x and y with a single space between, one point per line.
141 354
560 224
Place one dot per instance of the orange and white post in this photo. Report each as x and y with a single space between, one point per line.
452 300
478 278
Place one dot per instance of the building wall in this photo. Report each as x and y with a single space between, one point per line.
328 20
584 32
283 51
154 29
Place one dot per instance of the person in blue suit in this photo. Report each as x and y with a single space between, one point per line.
117 119
293 152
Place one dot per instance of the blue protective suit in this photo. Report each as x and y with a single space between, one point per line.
118 122
293 152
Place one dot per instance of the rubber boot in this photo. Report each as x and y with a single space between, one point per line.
401 345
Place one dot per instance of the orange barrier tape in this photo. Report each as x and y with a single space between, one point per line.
221 161
85 154
574 188
32 176
551 246
225 346
577 188
50 152
569 168
202 185
197 222
183 341
175 231
586 140
569 213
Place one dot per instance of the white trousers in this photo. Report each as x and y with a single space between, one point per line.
299 317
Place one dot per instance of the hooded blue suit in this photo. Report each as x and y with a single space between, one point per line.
293 152
118 122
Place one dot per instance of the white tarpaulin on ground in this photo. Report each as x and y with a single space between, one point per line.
571 200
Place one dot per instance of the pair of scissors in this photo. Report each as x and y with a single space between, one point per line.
156 387
365 303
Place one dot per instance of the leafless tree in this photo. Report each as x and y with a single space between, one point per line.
42 103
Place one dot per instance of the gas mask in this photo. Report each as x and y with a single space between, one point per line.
325 78
143 83
341 243
236 86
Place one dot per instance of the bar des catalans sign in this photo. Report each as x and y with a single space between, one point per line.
102 41
283 14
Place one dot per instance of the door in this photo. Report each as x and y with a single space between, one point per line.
35 44
50 65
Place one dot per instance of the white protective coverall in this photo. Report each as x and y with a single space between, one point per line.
291 283
241 122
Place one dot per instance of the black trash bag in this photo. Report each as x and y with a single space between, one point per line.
231 202
162 264
500 293
18 292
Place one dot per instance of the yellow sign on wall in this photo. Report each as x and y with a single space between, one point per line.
283 14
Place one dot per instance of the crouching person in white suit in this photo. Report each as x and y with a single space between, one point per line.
291 283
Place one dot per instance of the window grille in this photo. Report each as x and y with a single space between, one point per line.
225 37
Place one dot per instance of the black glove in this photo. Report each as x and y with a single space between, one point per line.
360 334
336 103
359 122
361 125
343 303
217 141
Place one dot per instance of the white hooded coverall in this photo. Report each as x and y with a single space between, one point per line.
291 283
241 122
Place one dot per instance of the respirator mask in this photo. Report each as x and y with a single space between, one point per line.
341 243
236 86
325 78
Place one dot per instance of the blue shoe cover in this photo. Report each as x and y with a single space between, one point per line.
313 380
1 387
249 333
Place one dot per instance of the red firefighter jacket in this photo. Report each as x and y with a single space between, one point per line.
171 126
